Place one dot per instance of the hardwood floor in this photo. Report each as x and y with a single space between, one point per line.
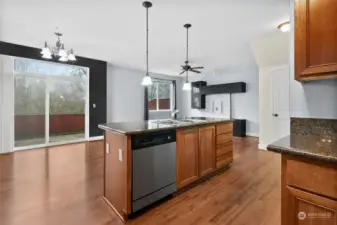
63 185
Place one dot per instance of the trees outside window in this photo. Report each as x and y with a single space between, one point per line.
159 95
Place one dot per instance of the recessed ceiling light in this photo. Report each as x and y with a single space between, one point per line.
284 27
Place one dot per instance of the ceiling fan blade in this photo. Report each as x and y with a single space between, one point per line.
195 71
198 67
182 72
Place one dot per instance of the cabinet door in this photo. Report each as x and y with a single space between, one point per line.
187 157
206 150
315 39
304 208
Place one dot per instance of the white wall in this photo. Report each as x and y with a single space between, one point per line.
125 95
271 52
6 104
314 99
244 105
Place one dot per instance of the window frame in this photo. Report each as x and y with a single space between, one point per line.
156 82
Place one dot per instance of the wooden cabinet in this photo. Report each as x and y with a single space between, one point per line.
224 145
206 150
309 192
315 39
198 153
304 208
117 179
187 156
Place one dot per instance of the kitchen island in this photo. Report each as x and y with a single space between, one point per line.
146 161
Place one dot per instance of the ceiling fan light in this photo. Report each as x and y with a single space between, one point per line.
147 81
187 86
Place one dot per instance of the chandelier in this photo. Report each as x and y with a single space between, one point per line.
58 51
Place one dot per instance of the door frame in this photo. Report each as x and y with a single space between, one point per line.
47 80
266 102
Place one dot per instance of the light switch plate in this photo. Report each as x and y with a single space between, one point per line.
94 105
120 155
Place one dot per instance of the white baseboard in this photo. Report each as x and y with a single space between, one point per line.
262 147
98 138
252 134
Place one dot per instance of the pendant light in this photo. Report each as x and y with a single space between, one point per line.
147 81
187 85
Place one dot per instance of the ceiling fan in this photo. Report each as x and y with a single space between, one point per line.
187 67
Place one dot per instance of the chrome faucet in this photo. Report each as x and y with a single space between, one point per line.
173 113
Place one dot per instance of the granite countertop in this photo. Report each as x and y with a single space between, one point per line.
136 127
309 146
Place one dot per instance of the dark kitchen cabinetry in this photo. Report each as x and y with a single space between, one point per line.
198 99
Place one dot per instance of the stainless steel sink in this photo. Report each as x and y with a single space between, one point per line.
177 121
168 122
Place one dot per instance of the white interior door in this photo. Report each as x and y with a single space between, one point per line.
280 103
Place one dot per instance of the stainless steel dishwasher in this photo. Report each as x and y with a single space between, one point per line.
153 167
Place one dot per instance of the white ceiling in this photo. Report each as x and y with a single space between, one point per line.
114 30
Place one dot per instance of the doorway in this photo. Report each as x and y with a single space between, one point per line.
280 118
274 88
50 103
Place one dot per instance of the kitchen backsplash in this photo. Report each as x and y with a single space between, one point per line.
315 127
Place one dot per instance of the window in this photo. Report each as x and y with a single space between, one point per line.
160 95
50 102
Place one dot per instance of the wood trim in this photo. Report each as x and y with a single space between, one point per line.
284 191
319 200
128 175
300 29
123 218
104 163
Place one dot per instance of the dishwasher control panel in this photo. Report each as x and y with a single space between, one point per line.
144 140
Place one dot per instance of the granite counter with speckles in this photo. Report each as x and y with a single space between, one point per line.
311 138
311 147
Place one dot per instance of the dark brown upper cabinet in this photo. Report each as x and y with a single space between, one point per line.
315 39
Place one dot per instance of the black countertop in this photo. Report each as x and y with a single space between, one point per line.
309 146
136 127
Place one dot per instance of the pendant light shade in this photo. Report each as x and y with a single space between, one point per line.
147 81
187 86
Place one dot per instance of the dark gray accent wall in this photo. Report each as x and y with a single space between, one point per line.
97 81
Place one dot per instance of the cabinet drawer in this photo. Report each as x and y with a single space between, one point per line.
312 177
224 149
224 138
224 160
224 128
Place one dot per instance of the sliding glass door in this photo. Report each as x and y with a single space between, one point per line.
51 103
29 110
66 110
